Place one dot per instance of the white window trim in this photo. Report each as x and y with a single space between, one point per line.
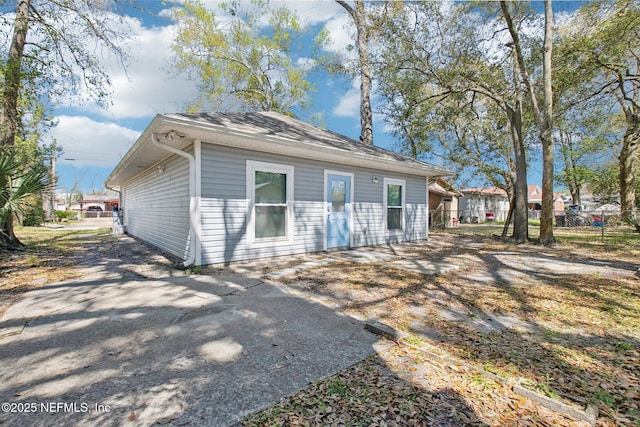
251 167
403 183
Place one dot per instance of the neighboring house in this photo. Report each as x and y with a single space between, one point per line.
559 203
534 197
98 204
534 200
588 201
60 202
216 188
443 204
482 204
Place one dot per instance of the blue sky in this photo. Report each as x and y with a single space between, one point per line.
94 139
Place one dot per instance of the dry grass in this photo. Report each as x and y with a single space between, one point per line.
618 241
401 387
48 256
582 345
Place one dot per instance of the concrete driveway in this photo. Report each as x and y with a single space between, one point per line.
177 350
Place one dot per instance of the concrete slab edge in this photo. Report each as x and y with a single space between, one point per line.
17 331
588 415
339 257
379 328
275 275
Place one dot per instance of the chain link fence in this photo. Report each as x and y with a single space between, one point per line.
608 225
604 225
97 214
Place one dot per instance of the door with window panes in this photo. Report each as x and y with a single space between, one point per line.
338 210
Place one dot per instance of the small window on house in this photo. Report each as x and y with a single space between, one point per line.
270 196
394 199
271 204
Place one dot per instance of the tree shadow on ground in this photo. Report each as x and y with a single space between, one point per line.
370 393
153 352
118 347
586 355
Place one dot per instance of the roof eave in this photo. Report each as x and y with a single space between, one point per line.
135 148
292 147
221 135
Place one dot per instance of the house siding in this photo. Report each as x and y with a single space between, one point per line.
156 206
474 207
369 227
224 206
444 211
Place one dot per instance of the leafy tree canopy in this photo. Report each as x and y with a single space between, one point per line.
243 60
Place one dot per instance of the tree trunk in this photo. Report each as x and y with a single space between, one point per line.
9 113
366 115
547 214
11 91
520 213
546 132
520 192
566 148
628 159
507 222
362 43
543 116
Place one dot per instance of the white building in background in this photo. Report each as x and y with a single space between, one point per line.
483 204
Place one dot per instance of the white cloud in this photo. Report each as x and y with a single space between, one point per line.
87 142
306 63
329 13
349 103
151 87
310 12
147 86
342 33
313 12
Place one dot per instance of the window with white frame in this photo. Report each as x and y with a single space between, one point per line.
270 198
394 199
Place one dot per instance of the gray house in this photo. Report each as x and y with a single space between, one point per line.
222 187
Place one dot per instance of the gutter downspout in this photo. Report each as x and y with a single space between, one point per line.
119 208
426 234
192 185
119 195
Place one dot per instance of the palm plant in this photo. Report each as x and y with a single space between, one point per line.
17 183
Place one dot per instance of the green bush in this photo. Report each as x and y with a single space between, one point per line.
33 215
60 215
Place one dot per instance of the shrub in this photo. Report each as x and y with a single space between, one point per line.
60 215
33 216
